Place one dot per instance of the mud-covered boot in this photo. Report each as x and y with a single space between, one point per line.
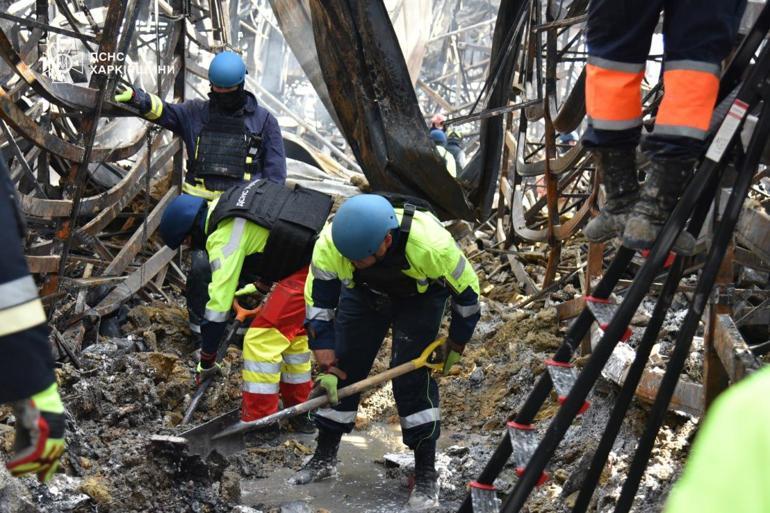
424 496
302 424
659 195
617 170
323 464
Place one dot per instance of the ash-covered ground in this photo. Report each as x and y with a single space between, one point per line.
131 388
136 385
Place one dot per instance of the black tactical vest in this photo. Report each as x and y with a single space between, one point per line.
385 277
294 217
226 153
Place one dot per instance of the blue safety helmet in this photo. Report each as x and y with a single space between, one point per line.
438 136
177 220
361 224
227 70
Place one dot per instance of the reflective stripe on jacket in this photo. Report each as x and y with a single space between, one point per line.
233 240
432 255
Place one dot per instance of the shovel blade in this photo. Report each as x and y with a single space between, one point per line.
200 439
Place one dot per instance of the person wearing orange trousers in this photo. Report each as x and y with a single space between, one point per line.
276 357
698 35
265 232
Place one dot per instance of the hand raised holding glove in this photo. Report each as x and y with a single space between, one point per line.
125 95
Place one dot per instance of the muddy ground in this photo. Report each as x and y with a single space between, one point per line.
134 386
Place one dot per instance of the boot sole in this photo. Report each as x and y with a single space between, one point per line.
602 239
332 475
641 245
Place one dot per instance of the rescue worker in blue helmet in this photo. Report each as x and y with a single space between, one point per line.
377 267
230 140
262 232
27 379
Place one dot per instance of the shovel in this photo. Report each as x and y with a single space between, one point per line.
241 314
225 433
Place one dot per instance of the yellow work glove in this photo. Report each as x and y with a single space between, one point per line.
39 441
246 290
329 383
454 353
125 96
207 367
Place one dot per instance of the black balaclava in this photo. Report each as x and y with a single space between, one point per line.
229 102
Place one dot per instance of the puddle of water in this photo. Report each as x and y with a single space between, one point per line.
361 486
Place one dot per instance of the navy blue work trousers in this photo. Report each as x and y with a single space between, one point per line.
361 323
697 34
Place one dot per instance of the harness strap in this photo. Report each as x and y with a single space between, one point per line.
403 231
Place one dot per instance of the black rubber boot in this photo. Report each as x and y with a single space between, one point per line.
617 170
323 464
424 496
660 193
302 424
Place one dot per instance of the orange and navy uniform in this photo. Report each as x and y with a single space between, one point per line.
698 34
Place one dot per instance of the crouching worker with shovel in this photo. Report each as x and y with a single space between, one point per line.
258 231
373 268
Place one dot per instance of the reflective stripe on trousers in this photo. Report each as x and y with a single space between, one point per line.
421 417
342 417
268 357
272 363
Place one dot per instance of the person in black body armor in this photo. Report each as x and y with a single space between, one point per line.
262 231
230 140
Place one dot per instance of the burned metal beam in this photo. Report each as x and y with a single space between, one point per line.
74 181
134 244
733 351
134 282
106 216
49 208
23 164
562 231
367 79
25 126
49 28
